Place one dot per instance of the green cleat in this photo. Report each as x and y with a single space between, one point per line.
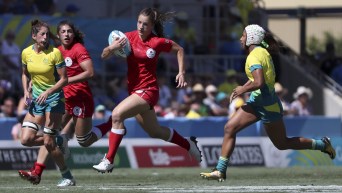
214 175
328 149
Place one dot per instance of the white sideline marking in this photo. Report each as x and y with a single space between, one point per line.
158 189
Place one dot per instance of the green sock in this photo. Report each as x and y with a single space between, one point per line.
222 164
59 140
318 144
66 174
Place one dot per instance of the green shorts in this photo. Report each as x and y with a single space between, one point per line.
56 106
268 114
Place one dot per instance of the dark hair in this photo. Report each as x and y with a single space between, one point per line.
273 46
158 19
36 25
78 34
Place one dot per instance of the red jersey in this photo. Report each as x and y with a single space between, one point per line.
73 57
142 62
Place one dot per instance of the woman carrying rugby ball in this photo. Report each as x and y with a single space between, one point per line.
146 46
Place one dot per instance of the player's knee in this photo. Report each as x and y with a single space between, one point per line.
26 141
116 116
229 129
28 138
85 140
280 145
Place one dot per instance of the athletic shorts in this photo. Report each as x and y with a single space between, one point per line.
80 108
150 96
57 106
268 114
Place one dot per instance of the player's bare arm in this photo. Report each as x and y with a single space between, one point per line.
116 45
180 78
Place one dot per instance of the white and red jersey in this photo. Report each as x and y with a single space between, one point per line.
142 62
73 57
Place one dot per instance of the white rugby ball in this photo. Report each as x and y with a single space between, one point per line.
126 50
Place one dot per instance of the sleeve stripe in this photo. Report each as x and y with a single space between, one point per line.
61 65
254 67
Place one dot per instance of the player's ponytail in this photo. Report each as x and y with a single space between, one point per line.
270 43
158 19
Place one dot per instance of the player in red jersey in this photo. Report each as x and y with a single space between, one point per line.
79 104
142 85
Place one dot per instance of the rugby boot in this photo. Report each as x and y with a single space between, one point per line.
214 175
30 176
104 166
64 182
194 150
328 149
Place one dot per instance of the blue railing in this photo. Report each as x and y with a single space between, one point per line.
312 126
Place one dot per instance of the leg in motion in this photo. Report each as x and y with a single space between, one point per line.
148 121
277 133
242 118
129 107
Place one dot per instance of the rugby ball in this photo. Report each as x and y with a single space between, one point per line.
126 50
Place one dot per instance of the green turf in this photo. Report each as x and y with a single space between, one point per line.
175 180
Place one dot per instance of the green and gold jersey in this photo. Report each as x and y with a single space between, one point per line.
42 68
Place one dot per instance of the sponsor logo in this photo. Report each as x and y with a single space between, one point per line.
150 53
20 158
68 61
45 61
163 156
87 157
139 91
159 157
243 155
18 155
77 111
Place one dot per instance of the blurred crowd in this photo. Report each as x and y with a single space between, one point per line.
330 62
36 7
205 95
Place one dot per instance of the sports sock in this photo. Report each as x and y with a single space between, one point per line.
102 129
59 140
222 164
39 168
318 144
66 173
115 138
176 138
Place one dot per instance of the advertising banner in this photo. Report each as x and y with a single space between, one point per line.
87 157
243 155
260 151
163 156
20 158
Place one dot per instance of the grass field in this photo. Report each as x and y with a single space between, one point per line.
242 179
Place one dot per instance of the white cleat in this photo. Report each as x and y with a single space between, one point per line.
66 182
104 166
194 150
